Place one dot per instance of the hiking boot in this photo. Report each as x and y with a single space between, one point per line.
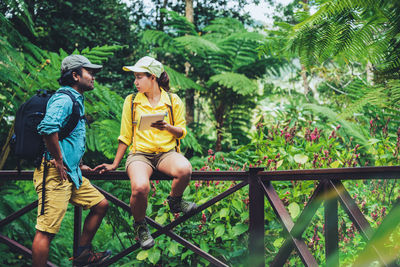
177 204
146 241
89 258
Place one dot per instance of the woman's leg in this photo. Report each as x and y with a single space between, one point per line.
139 174
177 166
180 168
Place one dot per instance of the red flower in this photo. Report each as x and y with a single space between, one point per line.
203 218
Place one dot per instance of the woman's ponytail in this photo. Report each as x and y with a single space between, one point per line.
163 81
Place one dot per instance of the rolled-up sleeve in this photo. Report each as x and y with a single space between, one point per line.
126 122
58 109
179 114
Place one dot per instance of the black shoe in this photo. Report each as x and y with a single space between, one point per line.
146 241
89 258
177 204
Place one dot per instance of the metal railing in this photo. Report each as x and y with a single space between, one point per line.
329 191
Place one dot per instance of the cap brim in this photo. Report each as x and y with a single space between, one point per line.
135 69
93 66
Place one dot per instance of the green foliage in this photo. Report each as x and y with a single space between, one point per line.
239 83
225 61
360 30
27 68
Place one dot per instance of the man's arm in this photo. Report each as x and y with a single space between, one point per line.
53 147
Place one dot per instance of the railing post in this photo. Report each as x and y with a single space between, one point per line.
256 224
77 227
331 226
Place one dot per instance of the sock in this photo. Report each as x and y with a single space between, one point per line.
175 199
139 222
82 248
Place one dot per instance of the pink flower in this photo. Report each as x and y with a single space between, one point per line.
217 169
313 137
210 152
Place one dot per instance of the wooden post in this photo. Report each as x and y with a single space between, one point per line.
77 228
256 224
331 226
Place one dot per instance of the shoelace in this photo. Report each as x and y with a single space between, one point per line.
143 232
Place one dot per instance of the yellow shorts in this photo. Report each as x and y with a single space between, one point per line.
57 195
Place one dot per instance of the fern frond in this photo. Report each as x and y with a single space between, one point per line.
224 26
178 23
239 83
197 45
153 37
180 82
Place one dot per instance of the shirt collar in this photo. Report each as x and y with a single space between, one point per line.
164 99
73 91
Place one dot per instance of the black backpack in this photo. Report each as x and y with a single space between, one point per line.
28 144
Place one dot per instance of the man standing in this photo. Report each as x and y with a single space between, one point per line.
63 177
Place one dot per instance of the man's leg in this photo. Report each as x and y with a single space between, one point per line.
56 203
92 222
40 248
88 197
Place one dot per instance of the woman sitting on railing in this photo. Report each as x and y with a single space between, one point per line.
153 149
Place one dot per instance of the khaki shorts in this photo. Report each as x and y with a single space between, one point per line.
152 159
57 195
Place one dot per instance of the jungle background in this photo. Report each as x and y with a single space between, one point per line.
317 88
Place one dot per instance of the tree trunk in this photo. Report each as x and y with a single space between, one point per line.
219 116
370 73
305 82
161 22
189 97
189 11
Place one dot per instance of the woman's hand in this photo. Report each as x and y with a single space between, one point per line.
103 168
160 125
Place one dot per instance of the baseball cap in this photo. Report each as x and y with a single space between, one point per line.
147 64
76 61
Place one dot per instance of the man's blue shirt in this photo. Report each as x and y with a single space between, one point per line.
59 109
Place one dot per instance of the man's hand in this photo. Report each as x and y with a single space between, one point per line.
103 168
85 168
62 170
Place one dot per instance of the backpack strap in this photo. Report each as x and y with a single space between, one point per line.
133 110
73 119
172 121
45 170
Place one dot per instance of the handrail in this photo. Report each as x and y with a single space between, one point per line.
353 173
328 192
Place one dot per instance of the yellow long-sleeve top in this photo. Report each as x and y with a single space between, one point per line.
154 140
